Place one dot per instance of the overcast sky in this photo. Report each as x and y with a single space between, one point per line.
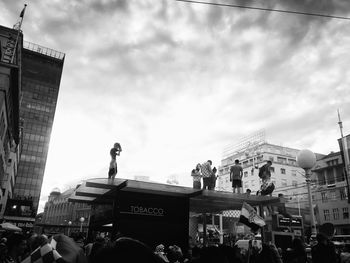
175 83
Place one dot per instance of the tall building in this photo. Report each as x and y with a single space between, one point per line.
10 88
41 76
331 197
253 152
59 214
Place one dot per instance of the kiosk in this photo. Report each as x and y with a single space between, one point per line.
156 213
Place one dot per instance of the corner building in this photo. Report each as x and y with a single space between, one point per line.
10 88
41 77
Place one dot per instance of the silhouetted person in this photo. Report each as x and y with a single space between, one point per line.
114 152
236 174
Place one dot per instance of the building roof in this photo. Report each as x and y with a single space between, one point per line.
103 190
332 154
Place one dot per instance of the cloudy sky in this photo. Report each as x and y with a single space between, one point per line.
175 82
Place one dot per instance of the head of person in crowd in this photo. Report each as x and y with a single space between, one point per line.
198 167
210 162
248 192
213 255
17 246
269 163
298 245
236 161
35 241
125 250
174 253
3 252
214 170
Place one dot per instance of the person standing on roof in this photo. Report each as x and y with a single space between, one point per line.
236 174
206 174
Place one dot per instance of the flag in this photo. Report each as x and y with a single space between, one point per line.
45 254
24 9
250 218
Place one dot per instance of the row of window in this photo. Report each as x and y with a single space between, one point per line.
336 214
32 86
33 158
332 195
34 116
35 96
35 148
331 176
38 107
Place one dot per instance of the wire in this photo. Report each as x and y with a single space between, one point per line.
264 9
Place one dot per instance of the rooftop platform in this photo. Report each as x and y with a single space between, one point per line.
104 191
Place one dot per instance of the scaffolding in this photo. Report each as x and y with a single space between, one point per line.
251 141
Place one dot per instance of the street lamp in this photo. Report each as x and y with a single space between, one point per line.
82 219
306 159
69 224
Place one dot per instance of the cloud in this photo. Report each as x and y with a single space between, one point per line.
175 83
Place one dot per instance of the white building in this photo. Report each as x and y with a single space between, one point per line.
288 178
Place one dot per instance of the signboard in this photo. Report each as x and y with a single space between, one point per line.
294 222
7 46
283 221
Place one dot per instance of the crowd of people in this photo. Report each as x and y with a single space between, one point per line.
16 248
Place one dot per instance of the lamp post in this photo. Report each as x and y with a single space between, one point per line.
69 224
306 159
82 219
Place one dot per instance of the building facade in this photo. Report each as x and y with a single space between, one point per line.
60 215
331 195
41 76
286 175
11 42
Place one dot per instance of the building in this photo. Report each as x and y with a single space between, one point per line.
330 195
59 214
41 76
10 90
253 152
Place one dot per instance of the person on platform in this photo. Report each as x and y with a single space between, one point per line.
114 152
196 176
236 174
267 186
213 179
206 174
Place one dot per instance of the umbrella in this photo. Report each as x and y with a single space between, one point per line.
9 227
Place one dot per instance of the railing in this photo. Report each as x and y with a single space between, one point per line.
43 50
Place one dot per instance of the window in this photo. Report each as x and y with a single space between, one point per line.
294 183
283 171
292 161
252 172
271 158
335 213
245 174
281 160
272 169
284 182
294 173
324 197
326 215
332 195
321 178
343 193
345 213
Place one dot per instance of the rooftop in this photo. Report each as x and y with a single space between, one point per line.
103 190
43 50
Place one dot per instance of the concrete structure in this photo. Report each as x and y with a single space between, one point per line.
330 195
10 90
41 76
59 214
287 176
